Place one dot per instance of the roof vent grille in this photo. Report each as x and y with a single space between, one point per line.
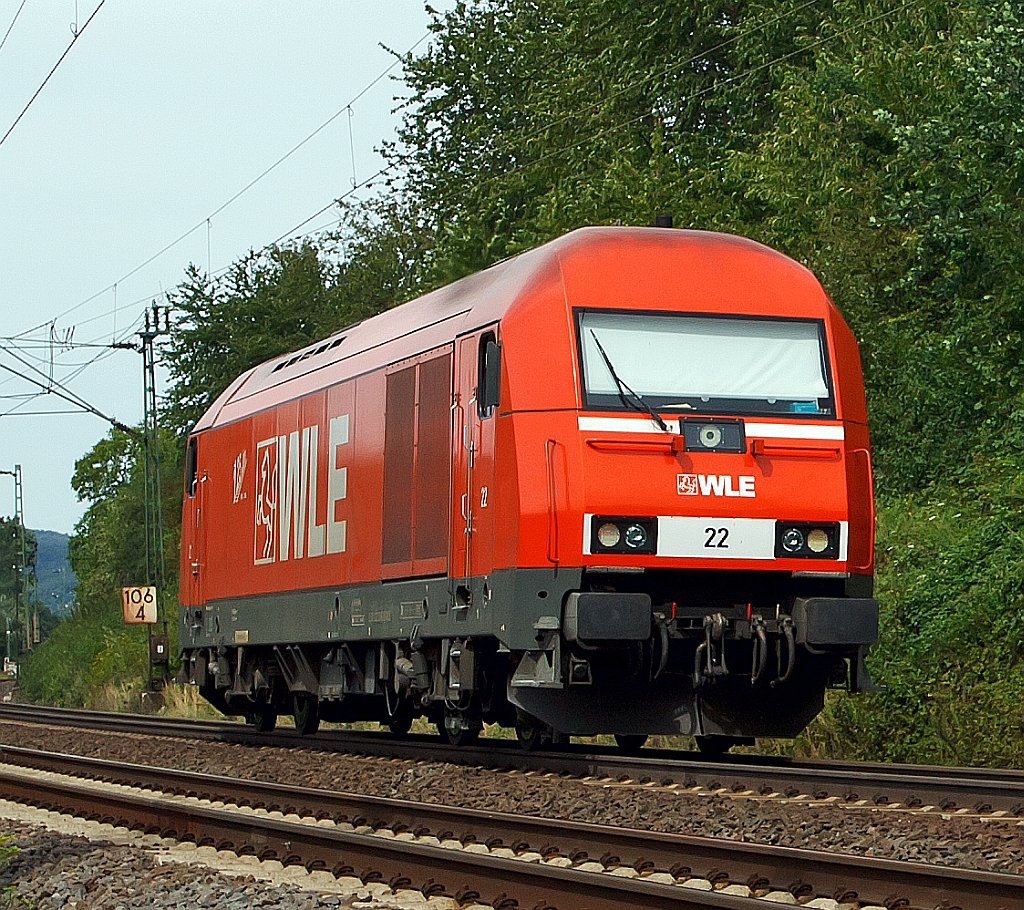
309 352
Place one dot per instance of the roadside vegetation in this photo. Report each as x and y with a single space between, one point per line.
881 144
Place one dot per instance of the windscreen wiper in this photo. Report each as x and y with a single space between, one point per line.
635 401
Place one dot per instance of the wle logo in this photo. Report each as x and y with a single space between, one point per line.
715 485
266 501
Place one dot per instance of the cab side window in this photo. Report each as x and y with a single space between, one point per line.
488 380
191 468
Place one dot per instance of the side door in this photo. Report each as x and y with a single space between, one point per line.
417 466
192 524
476 404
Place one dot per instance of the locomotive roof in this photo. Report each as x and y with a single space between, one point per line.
484 298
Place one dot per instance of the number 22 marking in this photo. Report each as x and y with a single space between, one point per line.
722 535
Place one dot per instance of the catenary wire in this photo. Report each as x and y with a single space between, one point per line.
67 50
57 389
66 413
11 26
60 389
236 196
347 108
107 350
49 380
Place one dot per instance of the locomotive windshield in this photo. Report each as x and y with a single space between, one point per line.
704 363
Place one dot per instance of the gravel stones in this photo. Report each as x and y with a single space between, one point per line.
59 872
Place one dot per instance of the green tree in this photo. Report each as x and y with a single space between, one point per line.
93 648
527 119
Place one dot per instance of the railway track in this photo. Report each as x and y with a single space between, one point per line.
492 858
974 791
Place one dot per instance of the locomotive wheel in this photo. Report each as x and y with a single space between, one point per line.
630 743
262 717
400 719
531 733
306 713
713 746
455 735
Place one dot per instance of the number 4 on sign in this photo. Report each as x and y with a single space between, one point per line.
139 604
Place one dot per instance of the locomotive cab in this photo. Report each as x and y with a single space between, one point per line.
718 474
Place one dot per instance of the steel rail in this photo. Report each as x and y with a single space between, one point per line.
403 864
979 790
803 872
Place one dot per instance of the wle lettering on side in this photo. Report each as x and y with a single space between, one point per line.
288 502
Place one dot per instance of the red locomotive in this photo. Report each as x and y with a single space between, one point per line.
618 484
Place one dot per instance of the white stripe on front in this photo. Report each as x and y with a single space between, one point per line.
799 430
794 430
625 425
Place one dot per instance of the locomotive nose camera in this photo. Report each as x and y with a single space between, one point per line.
792 540
710 436
636 536
722 434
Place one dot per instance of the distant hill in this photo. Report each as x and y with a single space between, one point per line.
55 582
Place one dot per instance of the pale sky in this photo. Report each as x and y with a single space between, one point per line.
160 113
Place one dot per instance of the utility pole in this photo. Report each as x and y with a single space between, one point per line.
155 563
156 569
157 322
23 596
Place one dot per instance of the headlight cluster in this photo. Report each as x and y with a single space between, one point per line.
814 540
623 535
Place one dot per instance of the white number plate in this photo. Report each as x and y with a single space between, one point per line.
716 538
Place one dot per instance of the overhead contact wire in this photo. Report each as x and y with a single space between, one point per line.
244 189
77 35
11 26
